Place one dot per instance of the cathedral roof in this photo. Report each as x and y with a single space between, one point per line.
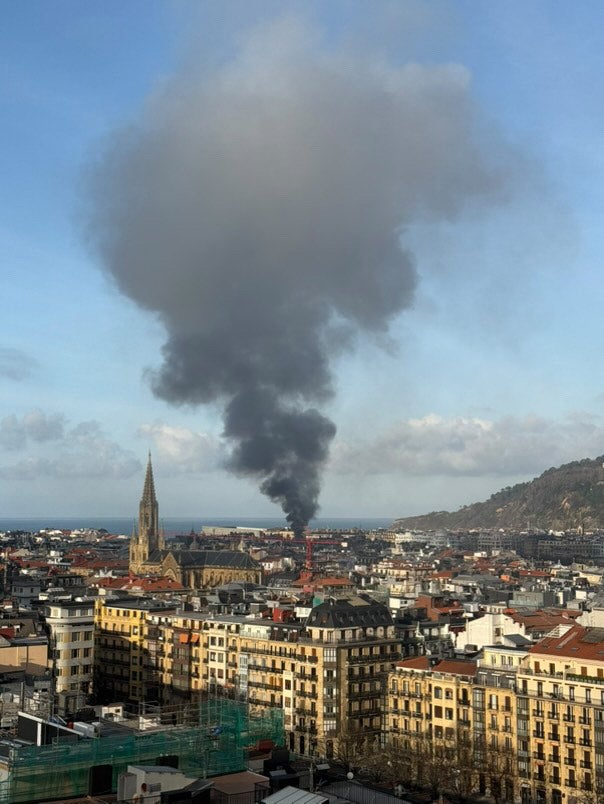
213 558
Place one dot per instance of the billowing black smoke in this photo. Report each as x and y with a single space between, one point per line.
259 210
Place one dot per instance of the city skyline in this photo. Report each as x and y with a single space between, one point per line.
487 377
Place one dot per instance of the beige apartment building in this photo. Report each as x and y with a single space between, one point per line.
122 657
328 673
560 699
524 725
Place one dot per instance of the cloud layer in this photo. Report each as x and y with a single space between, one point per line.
180 450
460 446
35 426
49 449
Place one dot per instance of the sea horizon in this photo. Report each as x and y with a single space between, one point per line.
182 524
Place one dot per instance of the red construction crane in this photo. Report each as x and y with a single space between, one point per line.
310 542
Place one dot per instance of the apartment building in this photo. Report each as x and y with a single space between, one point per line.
71 629
560 700
524 725
122 661
454 723
327 672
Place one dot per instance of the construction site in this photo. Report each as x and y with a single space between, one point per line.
45 760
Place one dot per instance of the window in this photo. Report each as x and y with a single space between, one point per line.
438 693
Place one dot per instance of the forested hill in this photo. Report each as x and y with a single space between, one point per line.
559 499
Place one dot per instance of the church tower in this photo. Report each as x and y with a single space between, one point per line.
149 538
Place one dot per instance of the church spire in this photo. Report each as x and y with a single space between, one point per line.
149 487
150 537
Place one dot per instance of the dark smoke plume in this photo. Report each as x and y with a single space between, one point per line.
259 210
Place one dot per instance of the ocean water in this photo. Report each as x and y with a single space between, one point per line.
182 525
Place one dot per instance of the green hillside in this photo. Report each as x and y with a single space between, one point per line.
568 497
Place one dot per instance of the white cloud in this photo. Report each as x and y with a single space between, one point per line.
463 446
36 426
51 451
180 450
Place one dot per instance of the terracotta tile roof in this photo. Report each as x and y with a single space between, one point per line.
415 663
577 642
332 582
540 620
458 667
133 583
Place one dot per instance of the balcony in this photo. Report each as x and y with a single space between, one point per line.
554 736
568 718
257 666
371 694
553 715
538 713
569 739
555 779
305 729
570 782
302 710
264 686
253 699
585 721
554 758
360 713
586 763
585 741
570 761
539 756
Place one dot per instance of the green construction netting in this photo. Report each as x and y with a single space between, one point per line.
217 743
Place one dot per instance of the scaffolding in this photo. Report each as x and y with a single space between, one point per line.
208 739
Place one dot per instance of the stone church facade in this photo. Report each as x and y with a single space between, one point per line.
194 569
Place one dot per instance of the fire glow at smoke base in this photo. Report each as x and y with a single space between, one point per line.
259 210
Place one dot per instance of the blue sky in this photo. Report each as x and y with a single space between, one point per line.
491 377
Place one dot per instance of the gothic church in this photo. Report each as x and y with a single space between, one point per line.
194 569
